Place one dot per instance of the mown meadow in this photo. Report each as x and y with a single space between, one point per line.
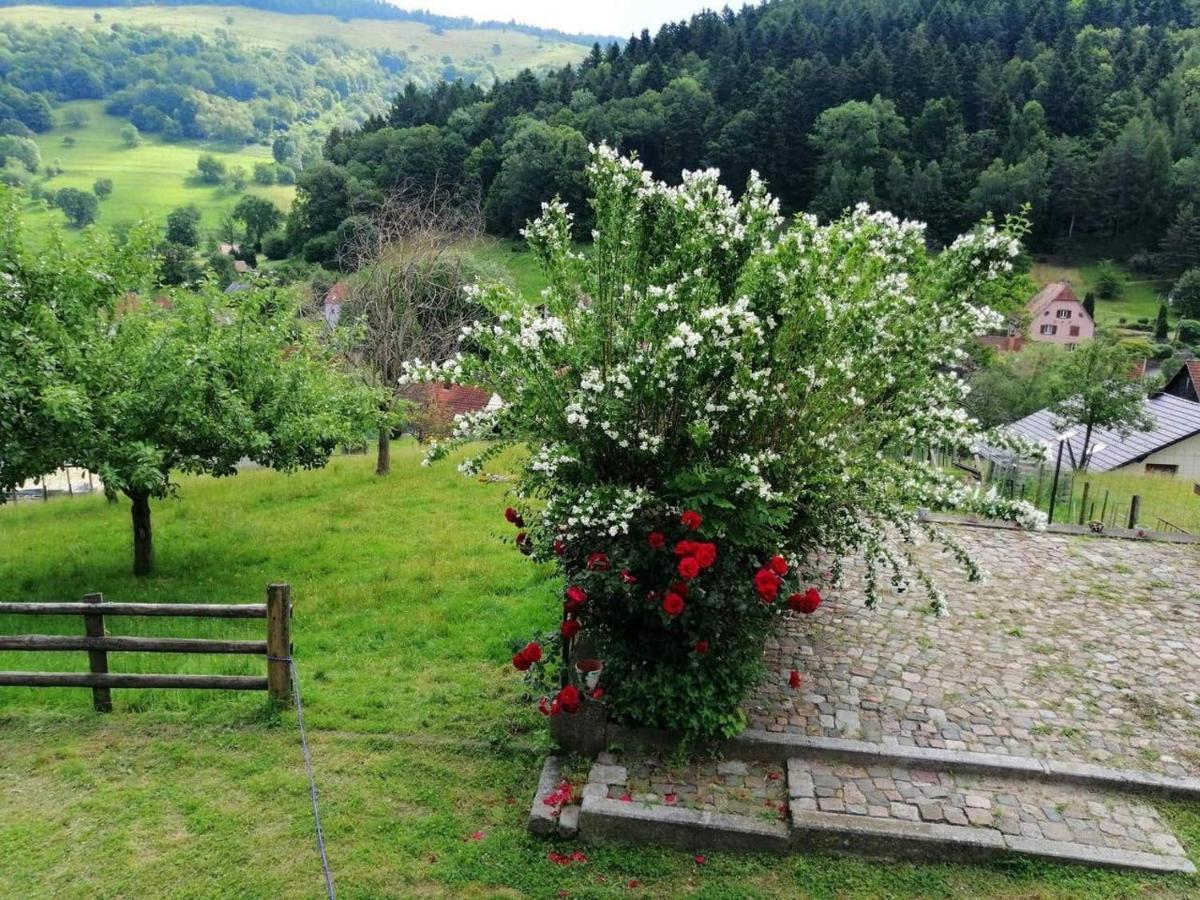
426 752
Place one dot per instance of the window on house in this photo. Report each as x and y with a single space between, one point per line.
1049 329
1062 314
1074 331
1161 469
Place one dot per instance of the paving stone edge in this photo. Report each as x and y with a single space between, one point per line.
768 746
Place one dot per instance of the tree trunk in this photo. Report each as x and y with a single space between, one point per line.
1083 456
383 465
143 540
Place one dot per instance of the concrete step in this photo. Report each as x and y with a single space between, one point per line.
877 811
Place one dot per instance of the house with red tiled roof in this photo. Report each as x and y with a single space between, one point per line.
436 405
1056 316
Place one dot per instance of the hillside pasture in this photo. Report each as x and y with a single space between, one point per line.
279 31
408 593
149 180
1139 297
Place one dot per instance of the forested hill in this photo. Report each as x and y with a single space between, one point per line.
344 9
1089 110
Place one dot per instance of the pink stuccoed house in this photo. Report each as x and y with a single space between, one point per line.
1057 317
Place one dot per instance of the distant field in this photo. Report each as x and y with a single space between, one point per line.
1140 296
280 30
148 180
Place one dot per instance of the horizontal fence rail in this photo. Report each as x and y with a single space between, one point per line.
97 643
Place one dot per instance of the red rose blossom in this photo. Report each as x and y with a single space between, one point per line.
656 540
533 651
691 520
544 706
766 583
807 602
598 562
778 565
511 515
681 588
576 597
559 547
521 662
673 604
701 647
688 567
685 548
569 699
628 577
706 554
570 628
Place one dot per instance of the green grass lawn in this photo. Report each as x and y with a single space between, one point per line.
149 180
1172 500
281 30
405 600
515 259
1139 298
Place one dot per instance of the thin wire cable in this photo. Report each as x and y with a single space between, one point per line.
308 768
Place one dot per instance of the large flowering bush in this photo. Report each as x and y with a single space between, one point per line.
718 406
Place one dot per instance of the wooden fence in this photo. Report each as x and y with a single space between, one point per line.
277 648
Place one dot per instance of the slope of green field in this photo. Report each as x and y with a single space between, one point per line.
425 748
1139 297
280 30
148 180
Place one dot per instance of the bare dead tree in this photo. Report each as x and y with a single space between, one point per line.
407 295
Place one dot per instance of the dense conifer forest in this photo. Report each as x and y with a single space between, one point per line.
1087 111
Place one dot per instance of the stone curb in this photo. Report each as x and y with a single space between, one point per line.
540 821
615 821
1120 534
766 746
923 841
779 747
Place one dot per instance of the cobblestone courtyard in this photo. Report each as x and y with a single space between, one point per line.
1073 648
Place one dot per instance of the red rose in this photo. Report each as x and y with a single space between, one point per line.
706 554
766 583
778 565
628 577
807 602
672 604
685 548
701 647
568 699
511 515
688 567
521 662
794 680
680 587
691 520
570 628
544 707
597 693
597 562
656 540
533 651
559 547
576 597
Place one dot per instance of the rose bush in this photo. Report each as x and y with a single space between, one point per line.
714 402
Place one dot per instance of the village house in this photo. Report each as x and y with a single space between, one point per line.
1055 316
1171 447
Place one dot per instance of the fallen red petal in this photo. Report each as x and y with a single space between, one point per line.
477 836
625 798
701 860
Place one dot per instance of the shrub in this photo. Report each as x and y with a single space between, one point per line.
714 408
102 187
1108 280
1185 296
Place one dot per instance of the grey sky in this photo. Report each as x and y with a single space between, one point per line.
616 17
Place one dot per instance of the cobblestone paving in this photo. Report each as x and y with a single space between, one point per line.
1073 648
1022 808
757 790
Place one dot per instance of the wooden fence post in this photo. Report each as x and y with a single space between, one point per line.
279 642
1135 510
93 624
1087 487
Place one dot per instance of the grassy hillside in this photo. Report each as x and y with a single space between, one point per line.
1139 298
148 180
426 753
279 31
